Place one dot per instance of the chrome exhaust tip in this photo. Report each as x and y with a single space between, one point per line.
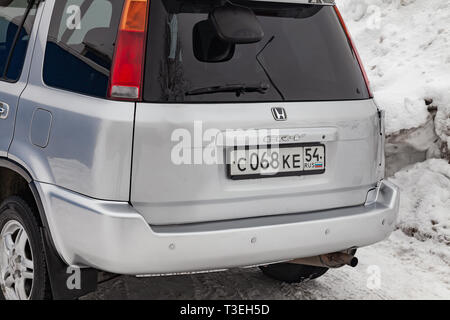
330 260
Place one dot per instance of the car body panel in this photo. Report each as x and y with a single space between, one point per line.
167 193
11 91
89 147
114 237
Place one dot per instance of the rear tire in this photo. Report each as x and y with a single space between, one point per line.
23 270
293 273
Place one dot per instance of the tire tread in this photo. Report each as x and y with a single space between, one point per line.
14 207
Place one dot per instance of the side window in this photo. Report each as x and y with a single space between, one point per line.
80 45
14 42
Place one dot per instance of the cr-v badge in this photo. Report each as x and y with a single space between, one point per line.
279 114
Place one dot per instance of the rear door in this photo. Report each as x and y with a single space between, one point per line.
67 132
301 89
14 62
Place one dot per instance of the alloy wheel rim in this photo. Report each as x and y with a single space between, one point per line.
16 262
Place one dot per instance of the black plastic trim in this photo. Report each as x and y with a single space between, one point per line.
17 168
59 274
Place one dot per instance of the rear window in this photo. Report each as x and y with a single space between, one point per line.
14 42
80 45
304 56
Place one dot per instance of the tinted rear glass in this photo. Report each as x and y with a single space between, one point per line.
12 16
306 55
80 45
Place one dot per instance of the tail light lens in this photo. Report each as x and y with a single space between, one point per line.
128 63
347 33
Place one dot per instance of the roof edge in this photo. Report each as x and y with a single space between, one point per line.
317 2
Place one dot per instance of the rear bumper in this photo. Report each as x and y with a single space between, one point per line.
113 237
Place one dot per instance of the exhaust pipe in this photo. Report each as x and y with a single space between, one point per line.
330 260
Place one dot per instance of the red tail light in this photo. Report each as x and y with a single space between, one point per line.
347 33
128 64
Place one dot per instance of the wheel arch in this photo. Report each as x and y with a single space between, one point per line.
56 264
14 167
32 195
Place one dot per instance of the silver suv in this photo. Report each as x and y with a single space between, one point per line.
156 137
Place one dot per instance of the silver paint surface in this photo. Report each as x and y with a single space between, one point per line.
89 148
112 236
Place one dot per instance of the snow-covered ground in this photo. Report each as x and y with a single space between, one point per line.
405 45
425 201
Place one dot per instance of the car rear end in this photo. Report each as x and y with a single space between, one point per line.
200 156
244 152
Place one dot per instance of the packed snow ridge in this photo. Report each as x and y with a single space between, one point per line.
425 200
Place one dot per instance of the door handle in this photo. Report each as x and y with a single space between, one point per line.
4 110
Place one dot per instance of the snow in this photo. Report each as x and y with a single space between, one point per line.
405 47
425 200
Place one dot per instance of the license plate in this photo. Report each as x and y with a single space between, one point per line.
265 162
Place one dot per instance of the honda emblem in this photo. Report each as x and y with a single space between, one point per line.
279 114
